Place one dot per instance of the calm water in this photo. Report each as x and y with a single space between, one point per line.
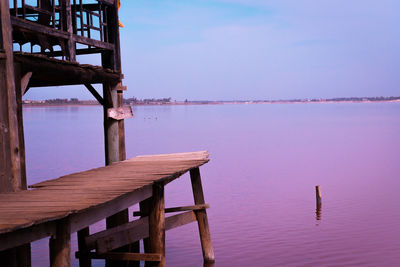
265 162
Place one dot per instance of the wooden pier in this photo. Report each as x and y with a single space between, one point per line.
72 203
40 46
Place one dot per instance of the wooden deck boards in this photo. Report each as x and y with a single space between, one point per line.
85 193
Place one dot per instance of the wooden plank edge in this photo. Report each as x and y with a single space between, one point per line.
121 256
178 209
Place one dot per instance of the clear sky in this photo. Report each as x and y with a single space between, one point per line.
256 49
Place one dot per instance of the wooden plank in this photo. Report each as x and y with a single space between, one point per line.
201 215
92 42
121 256
177 209
27 235
31 26
133 231
120 113
60 245
95 214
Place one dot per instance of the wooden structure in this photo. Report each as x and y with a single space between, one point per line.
73 202
40 45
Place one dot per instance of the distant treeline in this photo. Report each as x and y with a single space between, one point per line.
147 101
168 101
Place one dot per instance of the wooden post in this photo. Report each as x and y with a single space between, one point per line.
201 215
144 210
318 195
67 26
318 202
8 90
111 135
121 129
114 130
84 261
12 154
157 224
60 245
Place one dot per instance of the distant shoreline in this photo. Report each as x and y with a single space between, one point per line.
29 103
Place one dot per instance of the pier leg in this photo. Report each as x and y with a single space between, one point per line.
117 219
144 209
157 224
12 154
83 261
60 245
201 215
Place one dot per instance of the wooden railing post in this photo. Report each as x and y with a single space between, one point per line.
60 245
157 224
201 215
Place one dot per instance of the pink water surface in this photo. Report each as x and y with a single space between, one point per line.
265 162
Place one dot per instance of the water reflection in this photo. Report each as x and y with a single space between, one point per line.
318 212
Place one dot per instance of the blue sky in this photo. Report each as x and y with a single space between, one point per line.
256 49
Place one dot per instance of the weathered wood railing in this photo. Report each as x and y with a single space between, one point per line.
58 26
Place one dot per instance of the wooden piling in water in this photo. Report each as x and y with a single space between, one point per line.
318 195
60 245
157 224
201 215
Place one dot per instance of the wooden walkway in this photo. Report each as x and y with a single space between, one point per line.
74 202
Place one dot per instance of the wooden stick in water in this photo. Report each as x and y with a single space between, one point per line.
318 195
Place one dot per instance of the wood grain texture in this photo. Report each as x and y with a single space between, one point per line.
201 215
86 197
157 224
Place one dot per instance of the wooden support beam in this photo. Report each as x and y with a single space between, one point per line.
27 235
92 42
25 82
144 209
60 245
120 113
53 72
201 215
128 233
157 223
123 256
41 29
177 209
96 95
84 259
